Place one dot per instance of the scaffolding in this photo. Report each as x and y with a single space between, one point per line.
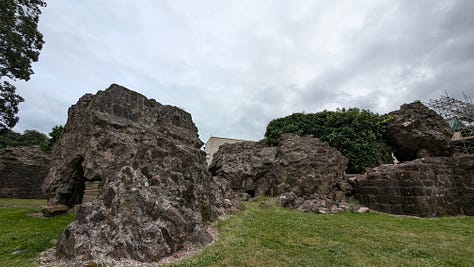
460 116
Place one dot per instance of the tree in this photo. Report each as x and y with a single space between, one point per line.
34 138
55 134
20 46
9 138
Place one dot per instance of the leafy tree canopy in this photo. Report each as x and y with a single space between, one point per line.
356 133
20 45
9 138
55 134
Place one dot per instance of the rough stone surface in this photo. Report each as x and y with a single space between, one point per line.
417 131
22 171
54 210
303 171
156 193
434 186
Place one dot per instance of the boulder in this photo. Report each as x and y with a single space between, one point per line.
416 131
54 210
22 171
435 186
301 171
141 162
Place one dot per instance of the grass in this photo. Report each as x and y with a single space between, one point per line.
268 235
264 234
22 236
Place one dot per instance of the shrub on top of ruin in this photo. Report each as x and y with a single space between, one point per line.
356 133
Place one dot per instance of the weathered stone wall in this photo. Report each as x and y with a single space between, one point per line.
303 171
434 186
141 161
304 165
22 171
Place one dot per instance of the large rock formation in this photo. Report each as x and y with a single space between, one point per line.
156 191
22 171
416 131
434 186
300 170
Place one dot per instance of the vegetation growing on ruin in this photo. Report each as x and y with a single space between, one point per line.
356 133
22 236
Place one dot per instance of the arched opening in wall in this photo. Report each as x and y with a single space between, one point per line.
77 182
250 192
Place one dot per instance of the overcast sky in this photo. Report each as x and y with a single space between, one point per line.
236 65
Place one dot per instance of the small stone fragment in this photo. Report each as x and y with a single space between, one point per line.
362 210
54 210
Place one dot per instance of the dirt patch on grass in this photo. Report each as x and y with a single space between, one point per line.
36 215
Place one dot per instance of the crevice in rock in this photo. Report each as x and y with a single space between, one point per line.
168 239
250 192
77 182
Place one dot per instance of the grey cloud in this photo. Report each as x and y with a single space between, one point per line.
417 51
235 65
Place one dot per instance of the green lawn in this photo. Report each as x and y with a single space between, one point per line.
22 236
263 234
267 235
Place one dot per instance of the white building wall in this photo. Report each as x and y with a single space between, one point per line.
213 144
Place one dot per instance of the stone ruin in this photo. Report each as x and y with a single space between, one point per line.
135 167
416 131
433 186
22 171
427 183
151 192
304 172
308 175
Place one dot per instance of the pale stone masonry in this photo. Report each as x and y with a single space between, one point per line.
213 144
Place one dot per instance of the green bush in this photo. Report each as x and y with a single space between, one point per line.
9 138
55 135
33 138
356 133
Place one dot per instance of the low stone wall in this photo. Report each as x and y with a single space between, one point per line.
22 171
434 186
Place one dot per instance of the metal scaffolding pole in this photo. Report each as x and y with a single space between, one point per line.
460 116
